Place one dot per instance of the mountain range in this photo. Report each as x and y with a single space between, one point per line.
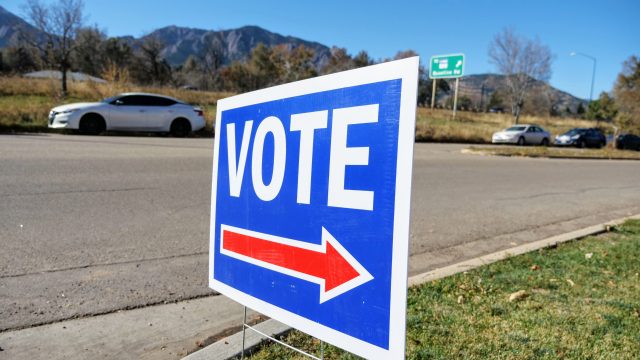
236 44
182 42
480 87
10 27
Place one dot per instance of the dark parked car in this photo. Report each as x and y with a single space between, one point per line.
628 142
582 138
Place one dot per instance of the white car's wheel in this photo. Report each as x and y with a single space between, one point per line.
92 124
180 127
521 141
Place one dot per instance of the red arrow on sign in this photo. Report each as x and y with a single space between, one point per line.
329 264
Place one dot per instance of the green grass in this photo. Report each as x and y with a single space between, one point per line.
554 152
578 306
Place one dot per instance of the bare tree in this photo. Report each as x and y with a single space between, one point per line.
340 60
58 23
151 67
522 61
211 59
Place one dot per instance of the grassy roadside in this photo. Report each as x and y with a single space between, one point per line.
580 300
476 128
554 152
25 104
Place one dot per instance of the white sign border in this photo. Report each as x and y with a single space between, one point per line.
407 70
464 63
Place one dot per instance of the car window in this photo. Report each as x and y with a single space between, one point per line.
516 128
158 101
131 100
168 102
531 129
575 132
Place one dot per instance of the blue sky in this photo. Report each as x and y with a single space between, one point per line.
607 30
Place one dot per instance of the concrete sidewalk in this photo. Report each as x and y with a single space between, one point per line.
158 332
176 330
231 346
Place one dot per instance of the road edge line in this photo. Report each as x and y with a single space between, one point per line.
231 346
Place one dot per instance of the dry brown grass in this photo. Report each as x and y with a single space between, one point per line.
469 127
25 103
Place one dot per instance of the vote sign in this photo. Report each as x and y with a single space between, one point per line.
310 204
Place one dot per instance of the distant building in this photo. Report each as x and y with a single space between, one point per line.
55 74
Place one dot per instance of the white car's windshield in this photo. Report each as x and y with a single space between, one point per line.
109 99
516 128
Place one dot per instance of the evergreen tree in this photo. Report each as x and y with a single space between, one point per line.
603 108
89 51
627 95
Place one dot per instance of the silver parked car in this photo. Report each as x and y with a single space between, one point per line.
129 112
522 135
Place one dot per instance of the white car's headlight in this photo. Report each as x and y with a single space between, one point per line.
69 111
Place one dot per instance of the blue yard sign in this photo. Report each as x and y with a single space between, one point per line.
310 204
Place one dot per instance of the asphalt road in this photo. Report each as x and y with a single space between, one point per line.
92 225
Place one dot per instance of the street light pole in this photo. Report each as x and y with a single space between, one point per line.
593 75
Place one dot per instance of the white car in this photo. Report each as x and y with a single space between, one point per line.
522 135
129 112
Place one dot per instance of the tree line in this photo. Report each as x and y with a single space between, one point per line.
527 61
62 42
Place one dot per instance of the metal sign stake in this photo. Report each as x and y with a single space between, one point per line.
455 99
433 94
247 326
446 67
244 327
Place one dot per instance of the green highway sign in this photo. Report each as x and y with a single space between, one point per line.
446 66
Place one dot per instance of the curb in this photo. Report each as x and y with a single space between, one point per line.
468 151
230 347
518 250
